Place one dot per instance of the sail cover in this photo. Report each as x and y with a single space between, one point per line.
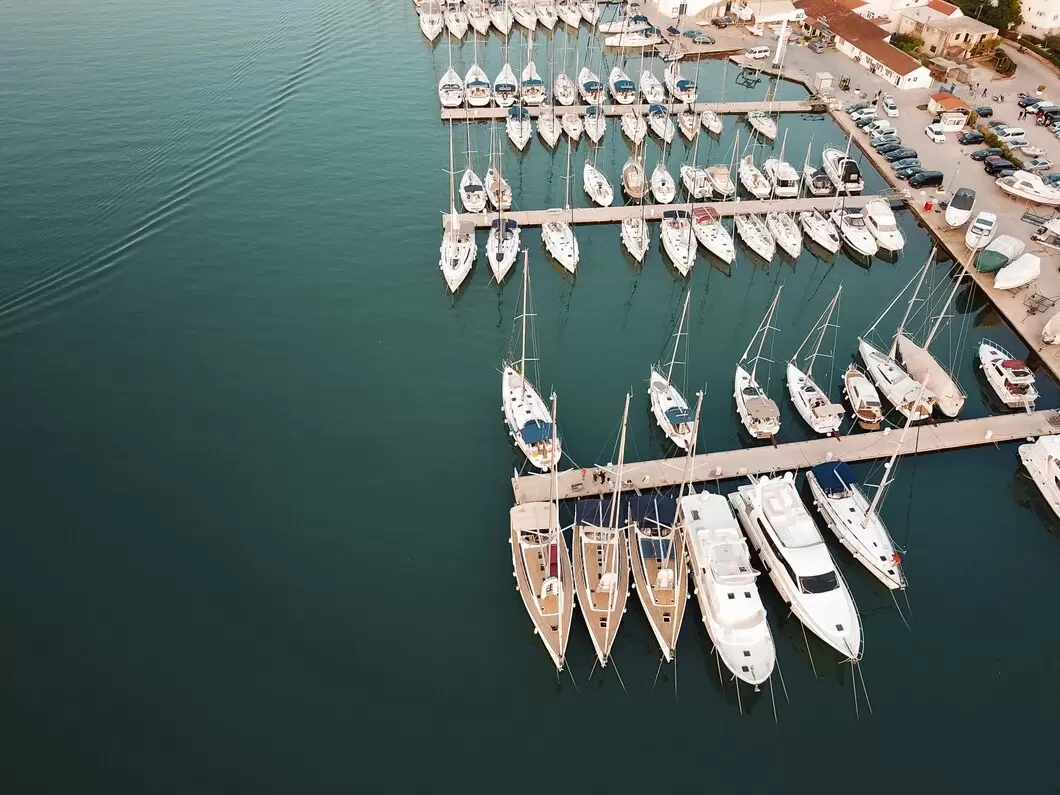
652 510
536 431
835 477
592 85
678 414
625 85
685 85
595 512
658 109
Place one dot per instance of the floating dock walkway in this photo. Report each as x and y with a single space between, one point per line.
759 460
654 212
780 106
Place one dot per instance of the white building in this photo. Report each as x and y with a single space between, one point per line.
1040 17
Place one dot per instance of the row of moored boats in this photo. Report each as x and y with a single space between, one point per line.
458 16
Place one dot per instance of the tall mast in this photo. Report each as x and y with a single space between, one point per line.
677 338
894 456
909 307
452 172
686 478
732 165
566 187
621 461
824 323
805 163
942 311
553 531
763 329
526 291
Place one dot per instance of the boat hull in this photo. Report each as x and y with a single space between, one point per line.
601 580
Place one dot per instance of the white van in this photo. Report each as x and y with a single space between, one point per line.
877 126
1011 135
757 53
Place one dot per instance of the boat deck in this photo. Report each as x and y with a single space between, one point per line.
482 114
765 459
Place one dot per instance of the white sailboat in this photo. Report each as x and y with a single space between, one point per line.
850 224
549 127
651 88
597 185
660 122
519 126
572 125
478 16
688 123
758 413
546 13
634 127
432 20
1041 459
1010 378
505 87
811 401
880 221
590 88
524 14
558 235
569 12
662 184
456 19
498 191
595 123
680 87
458 249
752 179
820 230
785 232
501 16
668 405
532 87
477 89
502 246
712 234
590 11
451 87
635 237
711 122
472 189
622 88
763 124
678 239
755 235
527 417
790 546
563 89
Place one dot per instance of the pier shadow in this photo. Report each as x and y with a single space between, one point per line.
1027 496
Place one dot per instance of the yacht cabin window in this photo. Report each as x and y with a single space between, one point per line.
819 583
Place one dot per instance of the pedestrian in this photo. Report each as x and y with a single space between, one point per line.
984 92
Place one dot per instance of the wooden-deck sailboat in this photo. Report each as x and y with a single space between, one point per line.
758 413
601 561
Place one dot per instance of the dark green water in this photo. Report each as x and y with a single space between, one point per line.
256 480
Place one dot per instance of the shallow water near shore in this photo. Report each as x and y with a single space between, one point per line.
257 480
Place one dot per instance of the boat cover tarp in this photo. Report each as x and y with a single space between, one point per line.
504 87
963 199
592 85
673 214
533 82
658 109
762 408
652 509
536 431
835 477
677 415
593 511
509 224
592 110
706 215
640 18
684 85
478 83
625 85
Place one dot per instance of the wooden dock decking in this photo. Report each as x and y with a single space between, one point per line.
482 114
654 212
795 455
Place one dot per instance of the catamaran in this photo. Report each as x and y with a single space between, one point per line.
524 14
601 561
678 239
790 545
472 191
518 126
820 230
668 405
1010 378
622 88
595 123
455 19
432 21
558 235
660 123
634 127
681 88
811 401
759 415
458 249
756 235
542 566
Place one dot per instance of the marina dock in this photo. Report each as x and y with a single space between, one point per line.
780 106
660 473
654 212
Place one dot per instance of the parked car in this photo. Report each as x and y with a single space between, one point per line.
867 112
721 22
889 146
817 46
973 137
900 154
890 107
905 162
888 137
983 154
935 133
1005 172
865 121
926 179
996 124
906 173
1038 164
852 109
1048 117
691 33
993 167
703 39
984 111
1051 179
1026 100
672 30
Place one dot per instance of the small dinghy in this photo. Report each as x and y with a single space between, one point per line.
1019 273
998 254
1010 378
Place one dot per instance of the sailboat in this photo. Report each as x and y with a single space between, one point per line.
563 89
596 184
816 181
432 20
498 191
455 19
634 180
794 554
688 123
634 127
901 390
558 235
472 191
458 249
785 232
572 125
662 184
756 235
763 124
668 405
589 87
477 88
527 417
681 88
479 17
451 87
518 126
651 88
923 366
622 88
505 88
759 415
501 16
820 230
712 234
595 123
590 11
543 573
524 14
811 401
502 246
532 89
569 12
601 562
546 13
711 122
782 176
678 239
752 179
1041 459
635 237
549 126
660 123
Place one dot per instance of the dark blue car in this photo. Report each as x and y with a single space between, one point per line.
900 154
906 173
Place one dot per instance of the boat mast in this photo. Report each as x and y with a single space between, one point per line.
453 223
677 337
824 324
553 534
566 187
686 478
621 461
763 329
942 311
890 463
526 291
732 165
805 165
909 307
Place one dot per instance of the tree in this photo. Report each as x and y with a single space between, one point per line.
906 42
1006 15
1052 43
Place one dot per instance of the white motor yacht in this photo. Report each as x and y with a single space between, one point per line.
662 185
477 87
597 186
478 16
651 88
785 232
432 20
505 87
880 221
456 19
681 88
472 191
590 88
595 123
590 11
501 16
726 587
843 171
695 182
855 521
790 545
901 389
981 231
634 127
498 191
820 230
502 247
863 398
563 90
756 235
959 208
1019 273
678 239
635 237
560 242
546 13
711 122
1030 186
568 11
720 179
816 181
712 234
524 14
549 126
634 180
519 127
851 226
763 124
641 37
572 125
753 180
782 177
451 90
660 123
1010 378
1042 462
623 89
